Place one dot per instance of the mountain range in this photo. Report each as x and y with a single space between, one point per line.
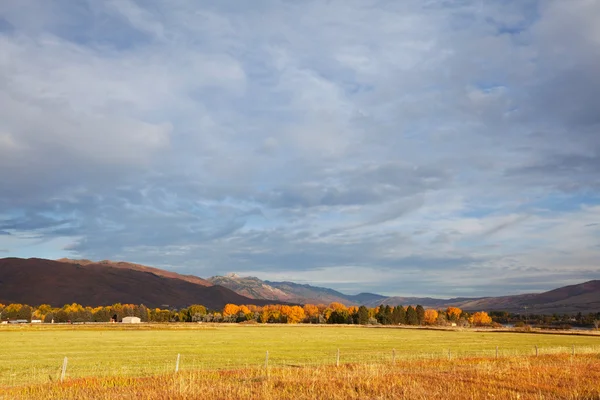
584 297
37 281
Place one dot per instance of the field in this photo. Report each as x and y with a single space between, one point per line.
229 362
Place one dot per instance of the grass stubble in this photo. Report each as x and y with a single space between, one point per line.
543 377
518 374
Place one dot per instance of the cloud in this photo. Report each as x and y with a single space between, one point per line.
426 147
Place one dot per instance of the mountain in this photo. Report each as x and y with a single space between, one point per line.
584 297
427 302
37 281
324 295
251 287
289 291
139 267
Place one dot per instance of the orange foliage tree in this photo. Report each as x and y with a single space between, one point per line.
480 318
453 313
337 306
245 310
230 309
311 311
430 317
293 314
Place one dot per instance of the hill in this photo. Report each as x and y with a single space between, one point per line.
289 291
584 297
139 267
38 281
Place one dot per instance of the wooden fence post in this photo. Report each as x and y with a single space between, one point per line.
177 363
337 359
573 350
267 360
536 350
496 351
64 370
393 356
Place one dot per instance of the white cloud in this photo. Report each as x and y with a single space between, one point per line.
457 141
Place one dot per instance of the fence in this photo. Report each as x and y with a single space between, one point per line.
51 369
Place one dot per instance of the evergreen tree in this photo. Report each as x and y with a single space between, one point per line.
387 315
411 316
420 314
380 316
339 317
399 315
363 315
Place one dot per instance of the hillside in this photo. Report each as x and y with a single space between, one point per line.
324 295
289 291
139 267
251 287
583 297
37 281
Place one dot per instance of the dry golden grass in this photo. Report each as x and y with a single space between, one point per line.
543 377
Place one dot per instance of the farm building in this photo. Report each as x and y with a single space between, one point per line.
131 320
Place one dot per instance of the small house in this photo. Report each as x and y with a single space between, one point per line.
131 320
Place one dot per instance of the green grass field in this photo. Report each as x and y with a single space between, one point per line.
34 354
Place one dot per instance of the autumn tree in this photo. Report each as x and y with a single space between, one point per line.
41 311
480 318
293 314
430 317
312 313
453 313
101 314
230 309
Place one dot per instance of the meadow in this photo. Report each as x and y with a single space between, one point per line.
109 360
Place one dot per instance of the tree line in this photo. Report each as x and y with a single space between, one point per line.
333 313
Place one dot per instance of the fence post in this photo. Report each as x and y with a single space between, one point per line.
177 363
448 354
536 350
267 360
573 350
337 359
393 356
64 370
496 351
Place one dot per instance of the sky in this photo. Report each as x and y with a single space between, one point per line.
412 148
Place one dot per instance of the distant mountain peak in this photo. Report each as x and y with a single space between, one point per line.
232 275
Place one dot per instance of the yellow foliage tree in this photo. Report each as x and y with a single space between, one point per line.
430 317
296 314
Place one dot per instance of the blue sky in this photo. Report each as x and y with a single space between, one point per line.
407 148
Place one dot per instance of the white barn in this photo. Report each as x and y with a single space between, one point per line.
131 320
